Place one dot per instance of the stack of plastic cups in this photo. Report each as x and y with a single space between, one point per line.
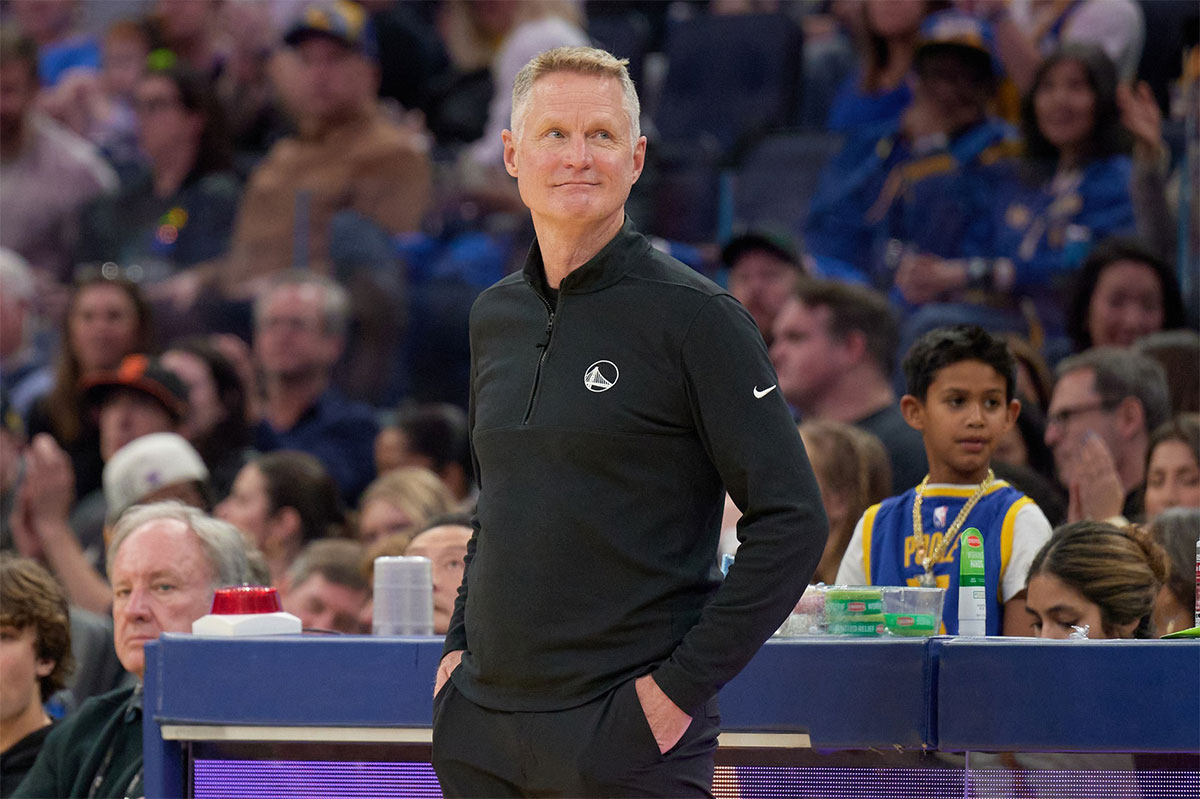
403 596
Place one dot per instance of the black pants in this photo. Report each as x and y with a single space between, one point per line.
603 749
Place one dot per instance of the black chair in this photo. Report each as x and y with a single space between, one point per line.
729 78
775 180
625 35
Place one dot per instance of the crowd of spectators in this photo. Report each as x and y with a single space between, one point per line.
239 242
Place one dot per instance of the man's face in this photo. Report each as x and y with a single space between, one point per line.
18 88
763 283
20 670
290 339
446 547
103 327
573 156
162 581
805 355
962 417
954 85
332 81
324 605
1076 411
126 415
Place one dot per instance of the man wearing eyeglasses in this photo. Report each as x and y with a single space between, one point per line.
1105 403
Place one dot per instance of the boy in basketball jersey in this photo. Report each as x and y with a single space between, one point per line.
960 384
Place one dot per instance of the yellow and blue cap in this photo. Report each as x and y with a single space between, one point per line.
344 21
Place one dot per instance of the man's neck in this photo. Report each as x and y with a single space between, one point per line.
1131 464
317 128
172 168
289 398
31 719
566 248
857 395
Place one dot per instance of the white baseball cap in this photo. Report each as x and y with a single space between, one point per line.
146 465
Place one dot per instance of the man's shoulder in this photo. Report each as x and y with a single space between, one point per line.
71 154
657 268
93 712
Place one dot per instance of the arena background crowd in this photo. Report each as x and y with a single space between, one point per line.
241 240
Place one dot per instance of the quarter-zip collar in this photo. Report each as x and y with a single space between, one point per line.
602 270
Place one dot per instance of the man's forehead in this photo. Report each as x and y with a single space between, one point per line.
1073 385
450 535
159 545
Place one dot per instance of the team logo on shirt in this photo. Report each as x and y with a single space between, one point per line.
939 516
601 376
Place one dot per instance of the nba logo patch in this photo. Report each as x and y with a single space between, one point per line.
939 516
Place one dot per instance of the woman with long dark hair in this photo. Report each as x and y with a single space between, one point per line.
106 319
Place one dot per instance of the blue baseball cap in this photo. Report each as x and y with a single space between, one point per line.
954 29
344 21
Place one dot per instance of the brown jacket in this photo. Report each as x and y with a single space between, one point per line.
366 164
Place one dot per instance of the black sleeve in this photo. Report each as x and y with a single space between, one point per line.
456 635
751 439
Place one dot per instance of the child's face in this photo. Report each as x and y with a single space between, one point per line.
962 418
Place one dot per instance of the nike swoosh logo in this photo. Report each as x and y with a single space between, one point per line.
760 394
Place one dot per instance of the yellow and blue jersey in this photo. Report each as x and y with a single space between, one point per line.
890 547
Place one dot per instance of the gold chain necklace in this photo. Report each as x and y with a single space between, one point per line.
927 561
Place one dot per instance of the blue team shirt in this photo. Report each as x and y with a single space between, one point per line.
889 545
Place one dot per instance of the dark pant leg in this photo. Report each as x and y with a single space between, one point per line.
475 750
617 755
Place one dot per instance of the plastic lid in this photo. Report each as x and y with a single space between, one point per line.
243 599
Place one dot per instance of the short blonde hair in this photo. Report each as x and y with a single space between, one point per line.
581 60
413 489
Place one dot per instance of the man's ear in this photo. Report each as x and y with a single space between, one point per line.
510 152
913 411
855 345
1014 411
639 157
1129 418
43 667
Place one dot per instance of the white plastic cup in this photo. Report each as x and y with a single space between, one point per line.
403 596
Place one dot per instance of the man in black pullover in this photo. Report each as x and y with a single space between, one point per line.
615 396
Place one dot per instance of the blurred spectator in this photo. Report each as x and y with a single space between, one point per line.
879 89
178 210
99 105
433 436
1105 404
35 660
1176 531
401 501
346 157
98 749
300 332
326 588
519 30
1092 574
135 400
46 172
1173 466
52 24
1025 446
1178 351
23 369
1123 292
924 181
216 422
282 501
763 269
139 397
255 114
1076 182
833 350
852 470
190 30
106 320
1116 26
444 542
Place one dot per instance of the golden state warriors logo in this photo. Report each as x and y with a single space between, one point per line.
601 376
